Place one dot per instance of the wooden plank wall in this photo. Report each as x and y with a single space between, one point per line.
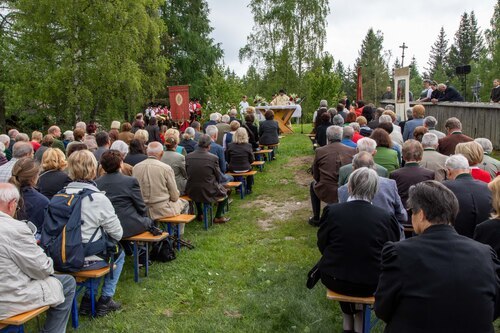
479 120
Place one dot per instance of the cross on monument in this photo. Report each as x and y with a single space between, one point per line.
403 54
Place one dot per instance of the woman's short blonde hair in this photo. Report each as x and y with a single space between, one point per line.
361 121
494 187
53 159
82 165
234 125
173 133
36 136
240 136
472 151
142 135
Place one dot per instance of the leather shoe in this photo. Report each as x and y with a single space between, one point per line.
312 221
221 220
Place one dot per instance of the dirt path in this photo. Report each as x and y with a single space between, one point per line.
283 210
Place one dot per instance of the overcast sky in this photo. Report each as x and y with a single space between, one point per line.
414 22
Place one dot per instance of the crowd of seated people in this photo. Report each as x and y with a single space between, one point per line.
136 174
444 187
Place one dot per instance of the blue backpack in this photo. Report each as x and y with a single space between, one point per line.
61 236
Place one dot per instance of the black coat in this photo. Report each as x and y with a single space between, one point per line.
488 232
351 237
253 134
474 200
133 159
154 133
239 156
451 95
189 145
321 139
204 176
269 132
438 282
409 175
52 181
124 193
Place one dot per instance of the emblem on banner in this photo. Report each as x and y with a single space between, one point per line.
178 99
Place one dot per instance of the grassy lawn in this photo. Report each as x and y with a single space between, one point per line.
245 276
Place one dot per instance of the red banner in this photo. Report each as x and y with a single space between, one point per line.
359 86
179 102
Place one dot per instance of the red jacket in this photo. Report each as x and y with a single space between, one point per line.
479 174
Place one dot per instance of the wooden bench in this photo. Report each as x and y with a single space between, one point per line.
176 220
267 152
366 301
243 177
16 323
85 279
259 164
146 237
238 185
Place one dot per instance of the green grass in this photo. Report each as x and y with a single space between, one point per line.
239 277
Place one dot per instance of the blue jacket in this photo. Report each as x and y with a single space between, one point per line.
410 127
218 151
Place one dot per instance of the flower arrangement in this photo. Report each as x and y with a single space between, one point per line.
259 101
295 99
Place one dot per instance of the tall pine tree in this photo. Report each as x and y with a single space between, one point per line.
489 62
374 68
467 45
439 51
193 54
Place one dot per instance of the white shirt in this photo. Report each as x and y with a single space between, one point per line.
243 107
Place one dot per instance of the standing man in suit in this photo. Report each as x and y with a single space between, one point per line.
455 136
325 169
431 159
203 184
474 197
412 173
439 281
387 196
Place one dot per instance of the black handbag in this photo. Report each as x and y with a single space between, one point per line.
313 276
163 251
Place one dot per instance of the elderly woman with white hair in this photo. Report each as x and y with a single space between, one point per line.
188 141
350 238
489 164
